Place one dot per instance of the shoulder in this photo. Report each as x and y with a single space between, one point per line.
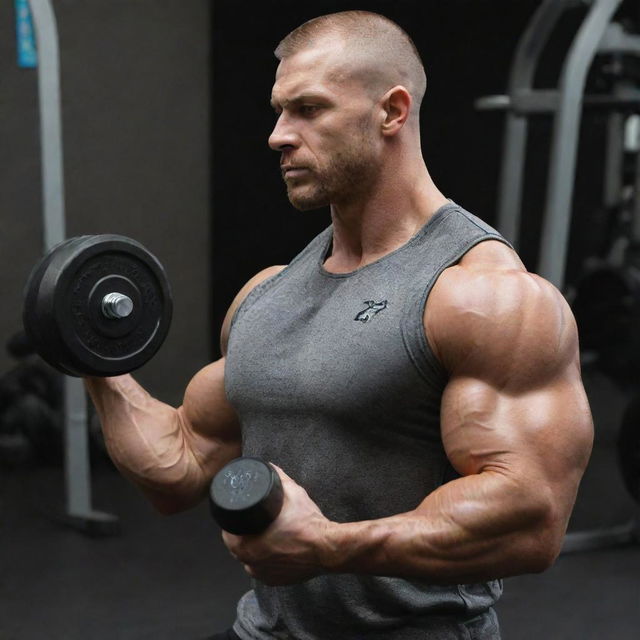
487 315
240 297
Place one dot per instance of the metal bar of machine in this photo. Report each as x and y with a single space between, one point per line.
76 445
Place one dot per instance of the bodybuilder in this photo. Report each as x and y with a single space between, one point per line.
418 390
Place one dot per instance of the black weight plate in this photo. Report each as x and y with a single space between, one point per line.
30 303
32 320
54 348
77 338
90 272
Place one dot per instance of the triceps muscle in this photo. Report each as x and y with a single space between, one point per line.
539 440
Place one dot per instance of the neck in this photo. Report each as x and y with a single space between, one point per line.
401 203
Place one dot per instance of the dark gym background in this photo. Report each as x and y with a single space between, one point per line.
165 118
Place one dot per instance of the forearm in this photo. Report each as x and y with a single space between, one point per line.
472 529
149 443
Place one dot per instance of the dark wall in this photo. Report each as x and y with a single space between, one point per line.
135 100
467 47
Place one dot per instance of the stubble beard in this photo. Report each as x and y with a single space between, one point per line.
347 177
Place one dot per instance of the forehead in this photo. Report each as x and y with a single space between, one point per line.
318 69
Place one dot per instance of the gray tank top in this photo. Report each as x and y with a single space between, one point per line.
334 381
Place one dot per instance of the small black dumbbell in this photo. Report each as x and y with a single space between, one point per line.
246 496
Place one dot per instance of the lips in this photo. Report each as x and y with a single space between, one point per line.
292 171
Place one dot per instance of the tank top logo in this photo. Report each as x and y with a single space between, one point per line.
373 308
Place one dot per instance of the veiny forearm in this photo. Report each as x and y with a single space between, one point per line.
147 441
476 528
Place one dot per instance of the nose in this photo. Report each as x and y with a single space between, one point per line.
283 136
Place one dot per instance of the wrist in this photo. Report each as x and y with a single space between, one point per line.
328 547
354 547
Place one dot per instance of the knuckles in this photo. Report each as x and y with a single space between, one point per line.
241 551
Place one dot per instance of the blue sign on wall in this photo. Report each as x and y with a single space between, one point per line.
26 42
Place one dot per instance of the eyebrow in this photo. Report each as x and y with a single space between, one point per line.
303 97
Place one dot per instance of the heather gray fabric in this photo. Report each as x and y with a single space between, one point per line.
334 381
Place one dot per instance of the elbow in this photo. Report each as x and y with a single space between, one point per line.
168 504
551 551
534 554
167 508
541 533
545 544
543 560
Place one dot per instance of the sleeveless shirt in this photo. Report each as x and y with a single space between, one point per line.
333 380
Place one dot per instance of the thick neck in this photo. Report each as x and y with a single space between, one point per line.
401 202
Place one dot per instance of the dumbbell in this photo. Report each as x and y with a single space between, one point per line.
97 305
101 305
246 496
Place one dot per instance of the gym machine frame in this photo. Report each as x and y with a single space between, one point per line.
79 512
597 34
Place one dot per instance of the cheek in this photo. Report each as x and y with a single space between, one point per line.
326 145
321 150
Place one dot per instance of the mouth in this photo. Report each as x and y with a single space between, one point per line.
290 171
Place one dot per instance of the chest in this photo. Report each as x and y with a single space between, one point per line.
322 342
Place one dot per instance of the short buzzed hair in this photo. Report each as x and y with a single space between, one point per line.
371 39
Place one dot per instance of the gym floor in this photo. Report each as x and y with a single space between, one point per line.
172 578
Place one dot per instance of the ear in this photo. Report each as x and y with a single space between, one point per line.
396 106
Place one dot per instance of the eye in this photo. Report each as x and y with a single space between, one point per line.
309 109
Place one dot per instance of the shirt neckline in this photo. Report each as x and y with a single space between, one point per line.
440 212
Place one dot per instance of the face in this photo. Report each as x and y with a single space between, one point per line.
325 131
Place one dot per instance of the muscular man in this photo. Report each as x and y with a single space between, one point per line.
417 389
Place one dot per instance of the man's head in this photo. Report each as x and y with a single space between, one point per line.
346 86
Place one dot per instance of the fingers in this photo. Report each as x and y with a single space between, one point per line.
281 473
238 547
287 481
232 543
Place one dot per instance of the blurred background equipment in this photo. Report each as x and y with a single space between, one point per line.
31 412
606 296
82 145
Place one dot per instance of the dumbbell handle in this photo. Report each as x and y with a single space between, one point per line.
246 496
117 306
